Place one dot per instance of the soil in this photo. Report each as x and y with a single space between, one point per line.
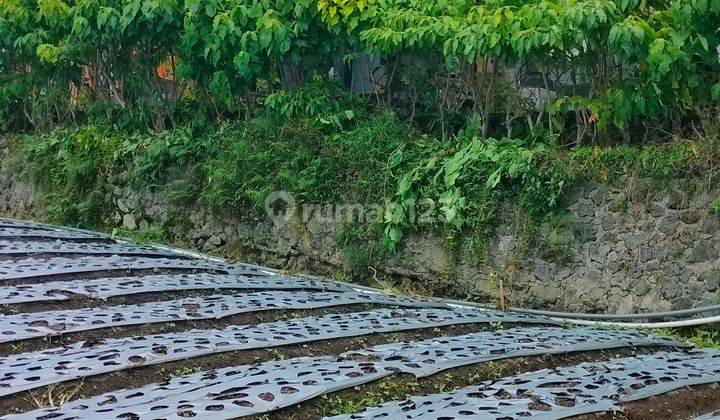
145 375
403 386
77 301
684 403
251 318
89 275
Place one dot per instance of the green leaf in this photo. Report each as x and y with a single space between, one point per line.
703 42
494 179
241 62
715 92
48 53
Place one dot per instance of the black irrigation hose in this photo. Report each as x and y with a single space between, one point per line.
578 318
570 316
682 313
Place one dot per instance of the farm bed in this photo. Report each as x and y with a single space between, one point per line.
95 328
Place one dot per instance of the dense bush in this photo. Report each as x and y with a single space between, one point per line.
373 159
232 168
475 103
577 70
622 63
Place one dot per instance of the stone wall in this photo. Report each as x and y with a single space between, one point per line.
631 247
639 247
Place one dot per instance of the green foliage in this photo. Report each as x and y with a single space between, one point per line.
218 48
71 167
360 245
630 61
470 177
298 157
629 68
251 167
325 103
561 240
703 336
715 206
652 161
461 185
75 168
158 156
231 168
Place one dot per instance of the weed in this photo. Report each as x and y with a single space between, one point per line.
284 316
376 394
715 206
8 309
532 299
360 245
336 405
561 239
276 354
55 395
184 371
560 245
392 339
443 383
154 234
181 192
492 370
706 336
497 326
367 306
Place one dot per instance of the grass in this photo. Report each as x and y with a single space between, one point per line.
155 234
703 336
715 206
561 244
360 245
375 394
54 395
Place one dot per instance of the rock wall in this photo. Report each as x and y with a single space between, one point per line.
638 247
624 248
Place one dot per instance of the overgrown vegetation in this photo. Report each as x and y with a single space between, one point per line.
437 112
415 181
231 168
703 336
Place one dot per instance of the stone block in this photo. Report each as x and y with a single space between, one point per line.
128 221
656 210
690 216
